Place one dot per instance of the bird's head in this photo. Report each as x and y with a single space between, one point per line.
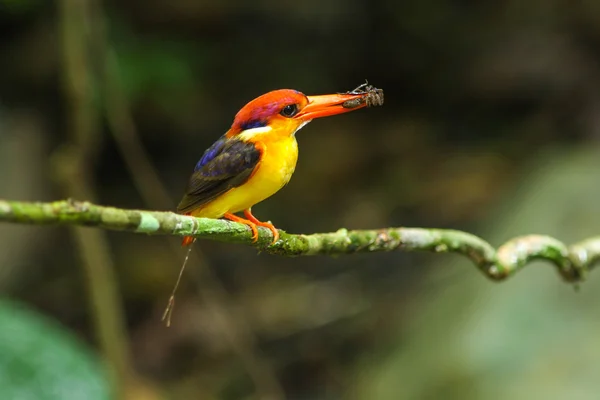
281 113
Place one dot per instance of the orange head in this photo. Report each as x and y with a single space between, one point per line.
283 112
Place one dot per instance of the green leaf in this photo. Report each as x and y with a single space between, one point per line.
40 360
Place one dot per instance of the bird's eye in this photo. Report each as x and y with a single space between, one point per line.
289 111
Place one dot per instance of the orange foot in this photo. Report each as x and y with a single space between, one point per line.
253 223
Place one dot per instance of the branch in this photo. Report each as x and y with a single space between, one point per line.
572 262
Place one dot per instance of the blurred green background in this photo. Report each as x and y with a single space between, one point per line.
491 125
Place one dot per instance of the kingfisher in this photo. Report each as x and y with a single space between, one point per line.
257 156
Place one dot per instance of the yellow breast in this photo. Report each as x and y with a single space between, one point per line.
273 172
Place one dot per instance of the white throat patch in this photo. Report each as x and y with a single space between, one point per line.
250 133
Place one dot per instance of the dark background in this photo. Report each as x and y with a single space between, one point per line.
491 125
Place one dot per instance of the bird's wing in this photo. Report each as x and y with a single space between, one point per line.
228 163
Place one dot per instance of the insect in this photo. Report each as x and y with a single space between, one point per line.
374 96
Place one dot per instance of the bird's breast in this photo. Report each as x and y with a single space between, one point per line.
276 166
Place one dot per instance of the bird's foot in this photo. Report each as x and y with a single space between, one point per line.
253 224
268 225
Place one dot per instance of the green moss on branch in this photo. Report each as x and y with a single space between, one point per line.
572 263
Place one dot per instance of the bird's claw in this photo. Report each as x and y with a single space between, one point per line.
253 223
270 227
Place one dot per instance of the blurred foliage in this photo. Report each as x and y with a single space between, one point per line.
489 107
531 337
156 69
41 360
17 7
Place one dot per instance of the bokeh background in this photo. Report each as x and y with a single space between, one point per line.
491 125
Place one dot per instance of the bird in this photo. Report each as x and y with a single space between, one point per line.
257 156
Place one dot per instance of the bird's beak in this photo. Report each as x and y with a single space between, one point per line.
331 104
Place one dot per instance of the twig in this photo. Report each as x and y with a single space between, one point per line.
74 170
571 262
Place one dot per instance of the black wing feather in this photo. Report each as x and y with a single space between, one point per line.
226 164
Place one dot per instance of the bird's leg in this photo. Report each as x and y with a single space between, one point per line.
252 222
268 225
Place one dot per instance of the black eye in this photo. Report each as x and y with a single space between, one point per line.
289 110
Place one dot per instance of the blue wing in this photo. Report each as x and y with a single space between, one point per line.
228 163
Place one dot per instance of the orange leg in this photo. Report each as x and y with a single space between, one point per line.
253 223
268 225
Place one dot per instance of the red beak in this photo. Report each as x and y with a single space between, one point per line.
331 104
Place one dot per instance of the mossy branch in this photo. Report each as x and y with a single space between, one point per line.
572 262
